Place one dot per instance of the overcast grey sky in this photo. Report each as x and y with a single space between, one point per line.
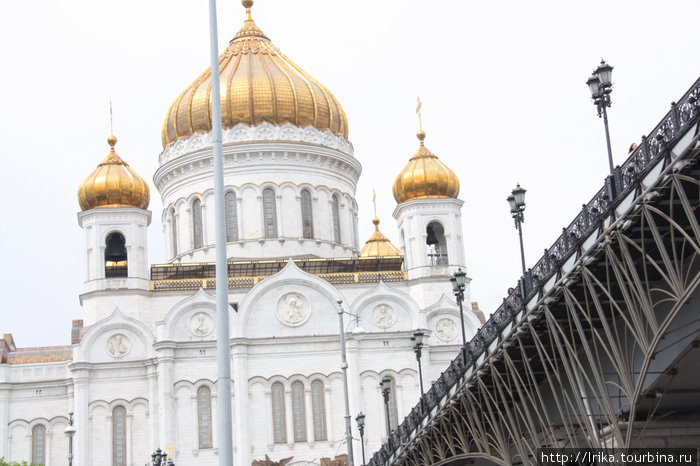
502 85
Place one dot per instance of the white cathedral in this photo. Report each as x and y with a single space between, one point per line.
140 369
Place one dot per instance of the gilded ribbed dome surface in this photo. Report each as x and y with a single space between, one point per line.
113 184
258 84
378 245
425 177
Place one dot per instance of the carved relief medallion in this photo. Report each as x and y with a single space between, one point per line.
446 329
384 316
293 309
201 324
118 345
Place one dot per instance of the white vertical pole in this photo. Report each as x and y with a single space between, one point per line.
223 349
344 366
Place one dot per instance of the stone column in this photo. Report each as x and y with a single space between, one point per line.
289 415
4 421
310 437
153 406
81 385
165 354
241 403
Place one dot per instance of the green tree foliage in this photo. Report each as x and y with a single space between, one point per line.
15 463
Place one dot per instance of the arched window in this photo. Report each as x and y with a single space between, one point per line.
335 208
119 436
204 417
307 220
39 444
231 217
437 245
318 408
173 231
197 224
270 213
298 412
278 418
115 256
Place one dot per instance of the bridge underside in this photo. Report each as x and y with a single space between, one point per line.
606 355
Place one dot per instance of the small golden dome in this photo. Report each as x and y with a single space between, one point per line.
113 184
258 84
425 177
378 245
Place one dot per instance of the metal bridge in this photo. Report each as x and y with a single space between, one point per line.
598 345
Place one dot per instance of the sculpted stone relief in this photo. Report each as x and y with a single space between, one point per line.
118 345
293 309
446 329
383 316
201 324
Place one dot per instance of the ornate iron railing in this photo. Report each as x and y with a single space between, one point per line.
653 149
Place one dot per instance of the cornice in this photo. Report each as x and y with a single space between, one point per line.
263 132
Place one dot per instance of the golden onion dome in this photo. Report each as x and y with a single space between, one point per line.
378 245
113 184
258 84
425 177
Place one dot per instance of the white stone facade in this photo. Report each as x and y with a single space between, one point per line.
142 366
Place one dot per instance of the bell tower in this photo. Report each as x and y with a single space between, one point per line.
429 215
114 201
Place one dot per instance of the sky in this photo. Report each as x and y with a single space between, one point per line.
502 85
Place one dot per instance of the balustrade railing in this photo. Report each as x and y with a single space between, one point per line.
654 147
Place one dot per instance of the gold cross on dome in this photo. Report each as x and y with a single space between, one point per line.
170 449
418 107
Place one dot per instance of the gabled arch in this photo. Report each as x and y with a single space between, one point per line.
115 321
198 300
383 293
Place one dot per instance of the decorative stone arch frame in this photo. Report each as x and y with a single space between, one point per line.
398 377
289 275
193 387
383 293
276 189
287 382
199 300
190 220
115 321
446 307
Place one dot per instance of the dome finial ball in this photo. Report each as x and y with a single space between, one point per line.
112 140
247 3
420 135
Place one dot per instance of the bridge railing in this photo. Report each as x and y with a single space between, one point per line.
653 148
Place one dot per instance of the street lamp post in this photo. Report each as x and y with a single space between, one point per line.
361 427
160 458
458 281
70 432
517 211
417 340
600 84
344 366
386 390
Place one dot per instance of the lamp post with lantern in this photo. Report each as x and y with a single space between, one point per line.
417 340
600 85
70 432
516 200
361 427
386 390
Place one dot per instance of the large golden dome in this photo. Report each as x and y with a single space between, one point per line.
113 184
378 245
258 83
425 177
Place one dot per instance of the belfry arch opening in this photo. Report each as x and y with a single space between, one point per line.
437 245
115 256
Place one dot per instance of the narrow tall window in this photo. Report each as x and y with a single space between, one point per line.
204 417
270 213
299 412
336 219
279 421
307 220
231 217
119 436
173 231
39 445
197 224
318 408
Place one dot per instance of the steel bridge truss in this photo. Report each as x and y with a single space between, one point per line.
586 352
